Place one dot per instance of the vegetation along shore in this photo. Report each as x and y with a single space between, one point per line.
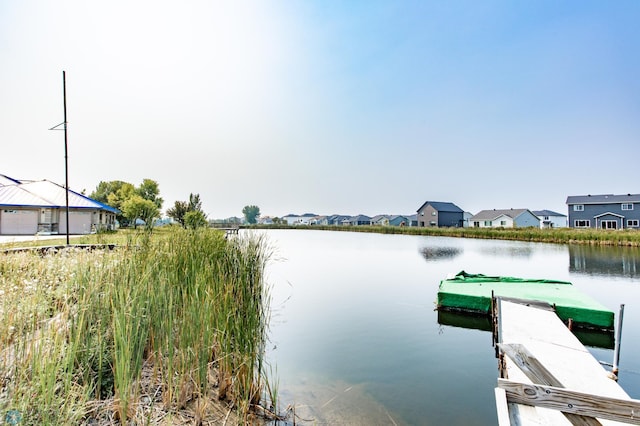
626 237
165 328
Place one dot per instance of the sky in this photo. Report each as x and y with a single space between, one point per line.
326 107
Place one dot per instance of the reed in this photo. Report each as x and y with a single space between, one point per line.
135 333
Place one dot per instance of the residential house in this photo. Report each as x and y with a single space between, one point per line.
293 219
380 220
466 217
551 219
413 220
606 211
358 220
398 220
336 219
31 207
319 220
509 218
436 213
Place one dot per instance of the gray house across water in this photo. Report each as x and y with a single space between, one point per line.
605 211
437 213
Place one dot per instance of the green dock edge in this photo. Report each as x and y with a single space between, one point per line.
581 317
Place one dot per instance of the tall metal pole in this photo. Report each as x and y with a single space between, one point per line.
66 157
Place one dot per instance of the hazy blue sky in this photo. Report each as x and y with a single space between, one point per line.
327 106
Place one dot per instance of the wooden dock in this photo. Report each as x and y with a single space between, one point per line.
547 377
230 230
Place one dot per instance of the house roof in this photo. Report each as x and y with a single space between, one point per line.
6 180
547 213
603 199
300 215
610 214
442 206
16 195
46 194
495 213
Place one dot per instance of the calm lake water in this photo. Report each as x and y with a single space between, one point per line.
355 340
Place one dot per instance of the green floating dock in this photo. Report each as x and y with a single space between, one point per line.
471 293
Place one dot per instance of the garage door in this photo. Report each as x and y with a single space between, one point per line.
18 222
79 222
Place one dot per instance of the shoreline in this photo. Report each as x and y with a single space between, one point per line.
618 238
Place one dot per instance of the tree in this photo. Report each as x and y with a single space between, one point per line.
117 198
180 209
251 213
195 204
136 207
195 219
116 192
122 194
102 191
149 190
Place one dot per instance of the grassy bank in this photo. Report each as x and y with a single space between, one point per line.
630 238
157 331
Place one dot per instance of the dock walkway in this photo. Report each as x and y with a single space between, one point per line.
547 377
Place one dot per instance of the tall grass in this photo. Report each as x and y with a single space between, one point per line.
164 326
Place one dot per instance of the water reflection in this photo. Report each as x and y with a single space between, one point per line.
439 253
457 319
591 338
501 250
608 261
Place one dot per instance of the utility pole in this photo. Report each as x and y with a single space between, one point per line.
66 156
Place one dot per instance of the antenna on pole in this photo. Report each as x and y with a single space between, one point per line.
66 156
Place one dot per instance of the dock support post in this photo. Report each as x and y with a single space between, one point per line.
616 351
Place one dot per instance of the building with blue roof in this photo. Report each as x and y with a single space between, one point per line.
40 207
551 219
604 211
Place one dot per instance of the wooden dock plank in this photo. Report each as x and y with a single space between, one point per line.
537 337
569 401
554 346
502 407
538 373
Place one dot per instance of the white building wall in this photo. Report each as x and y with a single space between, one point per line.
558 221
291 220
80 222
18 221
297 220
553 221
527 219
499 222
